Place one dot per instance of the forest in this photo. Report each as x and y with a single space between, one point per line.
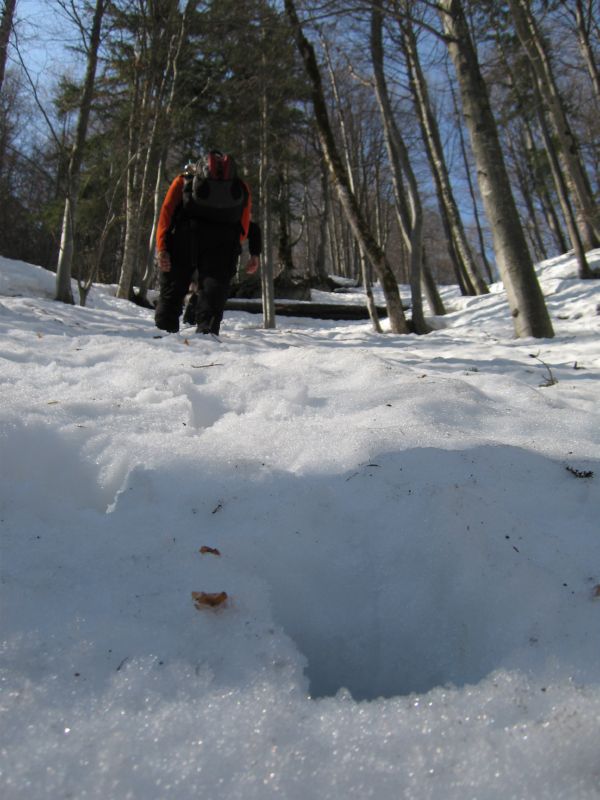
414 143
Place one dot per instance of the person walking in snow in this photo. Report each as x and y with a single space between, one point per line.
205 217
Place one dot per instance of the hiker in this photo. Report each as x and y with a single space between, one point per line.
205 217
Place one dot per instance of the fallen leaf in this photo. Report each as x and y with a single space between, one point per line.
204 600
213 550
186 341
40 335
597 590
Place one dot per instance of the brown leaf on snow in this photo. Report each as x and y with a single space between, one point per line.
186 341
596 591
204 600
213 550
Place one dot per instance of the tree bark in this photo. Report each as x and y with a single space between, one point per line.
267 276
345 141
155 72
435 154
582 27
470 185
323 227
562 192
6 24
588 214
410 211
436 304
526 302
64 291
347 198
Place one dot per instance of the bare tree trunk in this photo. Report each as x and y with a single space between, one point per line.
555 167
537 179
175 53
284 239
6 24
320 256
437 160
364 271
562 192
436 304
410 212
525 189
583 19
471 187
588 215
267 285
64 292
151 256
526 302
131 229
347 198
149 123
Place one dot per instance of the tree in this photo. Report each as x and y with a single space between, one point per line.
408 201
530 36
6 23
583 13
528 309
437 160
65 257
355 217
342 113
156 34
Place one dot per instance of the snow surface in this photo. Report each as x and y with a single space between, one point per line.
409 545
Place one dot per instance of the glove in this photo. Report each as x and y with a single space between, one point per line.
164 261
252 265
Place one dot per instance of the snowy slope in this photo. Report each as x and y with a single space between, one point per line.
408 540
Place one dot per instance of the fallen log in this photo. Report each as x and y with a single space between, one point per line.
289 308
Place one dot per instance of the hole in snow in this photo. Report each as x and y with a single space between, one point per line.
425 568
395 637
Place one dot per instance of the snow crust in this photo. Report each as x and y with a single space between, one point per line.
408 540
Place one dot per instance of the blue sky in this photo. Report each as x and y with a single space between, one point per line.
43 38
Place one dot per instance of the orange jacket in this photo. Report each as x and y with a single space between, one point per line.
173 200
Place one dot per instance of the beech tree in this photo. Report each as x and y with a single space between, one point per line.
528 309
532 40
458 241
342 113
408 201
355 217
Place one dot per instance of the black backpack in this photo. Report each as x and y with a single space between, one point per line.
213 191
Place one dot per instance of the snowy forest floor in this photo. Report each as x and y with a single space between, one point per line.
409 538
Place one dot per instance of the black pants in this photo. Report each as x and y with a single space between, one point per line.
211 249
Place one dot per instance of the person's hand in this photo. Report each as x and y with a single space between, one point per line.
252 265
164 261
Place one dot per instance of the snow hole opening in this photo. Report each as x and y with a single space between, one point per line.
373 647
452 590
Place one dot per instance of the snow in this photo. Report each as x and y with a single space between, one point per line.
408 541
